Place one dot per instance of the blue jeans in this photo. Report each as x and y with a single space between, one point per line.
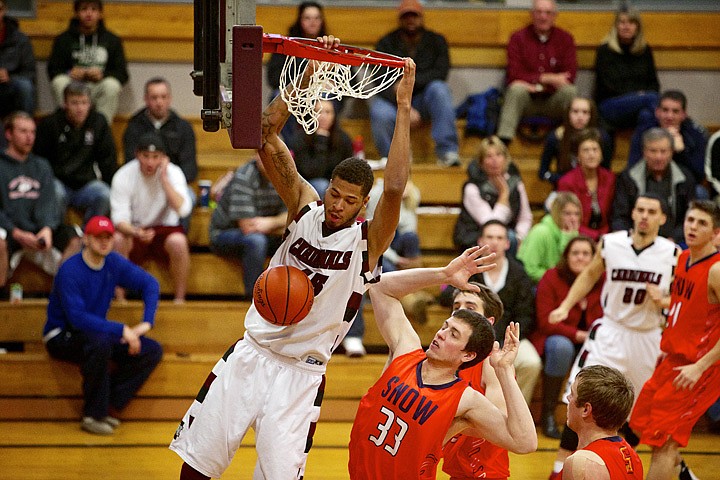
435 105
104 387
93 199
251 250
626 111
17 94
406 244
320 185
559 354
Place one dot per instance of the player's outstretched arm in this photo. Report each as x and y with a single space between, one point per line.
581 286
514 431
387 213
456 273
275 155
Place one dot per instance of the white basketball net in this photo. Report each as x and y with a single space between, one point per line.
330 81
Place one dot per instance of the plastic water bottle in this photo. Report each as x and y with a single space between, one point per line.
358 146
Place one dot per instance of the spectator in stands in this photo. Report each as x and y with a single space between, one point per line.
581 114
29 225
560 342
79 145
494 191
78 330
626 81
515 289
544 244
309 23
88 52
689 138
592 184
177 133
148 197
316 155
17 67
657 172
158 116
248 222
432 100
541 68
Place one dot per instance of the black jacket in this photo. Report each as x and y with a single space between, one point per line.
75 153
431 56
102 49
16 53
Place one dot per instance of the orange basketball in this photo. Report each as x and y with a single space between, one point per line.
283 295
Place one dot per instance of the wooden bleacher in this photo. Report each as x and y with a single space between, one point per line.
194 334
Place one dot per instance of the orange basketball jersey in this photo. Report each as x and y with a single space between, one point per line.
692 325
401 422
470 457
620 459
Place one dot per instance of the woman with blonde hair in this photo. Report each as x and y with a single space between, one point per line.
626 82
494 191
542 248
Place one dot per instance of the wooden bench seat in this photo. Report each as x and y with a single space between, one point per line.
36 387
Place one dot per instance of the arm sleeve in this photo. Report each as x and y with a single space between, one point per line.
569 59
106 155
188 155
60 60
117 65
135 278
516 68
45 210
179 184
120 190
440 66
533 252
549 296
27 60
525 303
77 311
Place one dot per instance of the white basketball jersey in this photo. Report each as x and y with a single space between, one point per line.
624 296
337 264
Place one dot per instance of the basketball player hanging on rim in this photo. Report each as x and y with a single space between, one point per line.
638 266
272 380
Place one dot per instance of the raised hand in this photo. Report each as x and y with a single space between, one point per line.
471 261
406 84
505 357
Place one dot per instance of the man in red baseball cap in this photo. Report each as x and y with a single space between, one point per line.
78 329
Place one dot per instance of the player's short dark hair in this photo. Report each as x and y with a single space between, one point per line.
481 338
676 95
492 305
609 392
76 87
77 4
709 207
654 196
356 171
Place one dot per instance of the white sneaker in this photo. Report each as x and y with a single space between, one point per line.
354 347
98 427
112 421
